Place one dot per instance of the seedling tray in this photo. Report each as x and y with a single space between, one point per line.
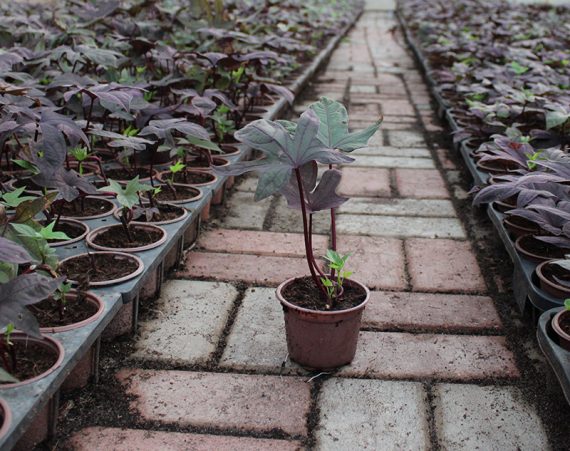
557 357
26 401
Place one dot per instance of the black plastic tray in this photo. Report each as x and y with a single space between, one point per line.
558 357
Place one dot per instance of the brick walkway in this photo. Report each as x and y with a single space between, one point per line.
432 368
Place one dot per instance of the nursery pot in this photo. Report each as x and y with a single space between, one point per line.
75 223
50 345
116 259
183 214
6 418
321 340
95 301
538 251
520 226
548 284
94 234
562 335
107 210
207 177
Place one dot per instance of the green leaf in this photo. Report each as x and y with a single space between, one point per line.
177 167
202 143
48 233
333 129
567 304
127 196
12 198
555 118
518 68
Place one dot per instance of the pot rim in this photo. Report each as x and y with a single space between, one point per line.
100 215
73 240
93 299
168 221
209 168
527 254
104 283
545 280
7 417
47 341
285 302
556 326
187 200
89 238
214 180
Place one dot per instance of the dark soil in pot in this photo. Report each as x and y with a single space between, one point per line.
166 213
73 229
86 208
108 266
76 309
28 184
33 359
204 164
497 167
117 238
305 294
554 274
564 322
124 174
183 192
520 226
537 250
193 178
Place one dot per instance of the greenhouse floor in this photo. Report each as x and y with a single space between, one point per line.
443 361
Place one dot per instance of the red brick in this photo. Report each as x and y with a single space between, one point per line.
443 265
427 311
398 108
421 183
377 262
99 438
217 400
390 355
259 243
267 271
365 182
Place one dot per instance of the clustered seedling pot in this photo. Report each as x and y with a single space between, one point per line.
321 340
156 233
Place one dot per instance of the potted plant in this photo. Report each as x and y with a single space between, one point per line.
323 310
561 325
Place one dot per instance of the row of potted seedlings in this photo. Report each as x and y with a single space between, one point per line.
113 121
500 73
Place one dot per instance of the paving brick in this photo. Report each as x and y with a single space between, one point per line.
257 339
427 311
222 401
263 270
443 265
192 318
244 212
377 139
286 219
386 151
489 418
371 414
400 138
389 119
421 184
418 356
444 160
366 182
99 438
362 89
259 243
398 126
392 162
398 108
399 207
247 184
396 226
377 262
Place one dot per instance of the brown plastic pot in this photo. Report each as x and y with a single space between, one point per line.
230 150
111 204
50 344
522 247
184 214
520 226
219 162
120 256
92 236
563 336
89 297
7 415
121 324
81 372
205 213
321 340
38 431
85 227
162 176
185 200
550 286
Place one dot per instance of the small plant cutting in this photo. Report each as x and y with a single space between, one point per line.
323 310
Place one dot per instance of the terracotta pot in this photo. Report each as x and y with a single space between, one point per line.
152 284
38 430
121 324
520 226
111 208
89 297
185 200
205 213
81 373
153 175
92 236
550 286
219 196
563 336
7 415
192 232
162 176
73 240
523 243
184 214
121 256
173 257
321 340
497 167
50 344
229 150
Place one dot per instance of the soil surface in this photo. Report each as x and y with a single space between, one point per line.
165 213
107 267
32 359
564 322
304 293
117 238
193 177
537 247
124 174
89 207
75 310
182 193
558 275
